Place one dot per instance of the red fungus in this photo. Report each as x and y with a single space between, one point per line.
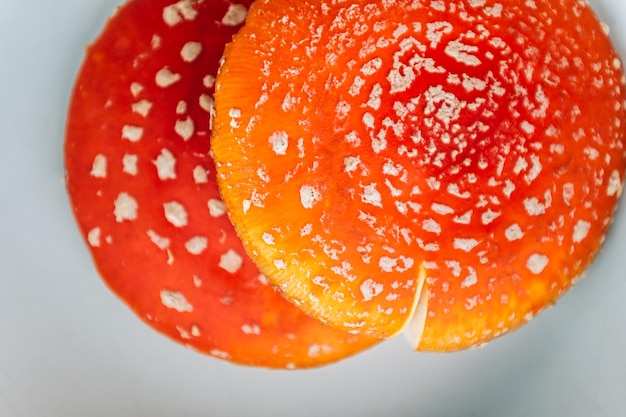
143 190
452 164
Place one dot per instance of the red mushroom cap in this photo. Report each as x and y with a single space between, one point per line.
144 193
454 163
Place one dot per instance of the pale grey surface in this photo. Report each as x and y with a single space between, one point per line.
69 348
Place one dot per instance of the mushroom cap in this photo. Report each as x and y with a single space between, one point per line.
446 167
144 193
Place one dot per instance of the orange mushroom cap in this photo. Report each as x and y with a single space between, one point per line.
450 166
144 193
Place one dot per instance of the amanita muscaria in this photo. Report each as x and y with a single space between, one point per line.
451 166
143 190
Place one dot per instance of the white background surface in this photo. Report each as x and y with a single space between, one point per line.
69 348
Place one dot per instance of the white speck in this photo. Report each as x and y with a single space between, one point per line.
431 226
370 195
390 168
370 289
93 237
125 207
175 213
175 301
372 66
184 334
401 75
374 99
355 88
309 196
280 142
534 207
400 30
142 107
462 53
455 267
531 4
246 204
368 120
196 245
465 218
442 209
514 232
99 166
379 142
165 165
353 139
557 148
207 103
280 264
289 103
581 230
615 184
200 175
195 331
155 42
509 187
219 354
527 127
235 114
268 238
446 104
471 83
252 329
235 15
185 128
262 173
315 350
263 279
216 207
231 261
617 64
495 10
536 263
132 133
520 165
465 244
135 89
489 216
535 169
177 12
591 153
165 77
161 242
401 264
454 190
470 303
351 163
208 81
306 230
439 5
190 51
436 30
568 193
129 164
342 109
471 279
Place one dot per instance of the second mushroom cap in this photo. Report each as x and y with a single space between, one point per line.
466 154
